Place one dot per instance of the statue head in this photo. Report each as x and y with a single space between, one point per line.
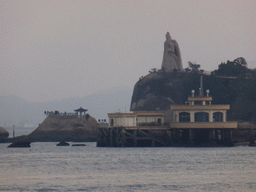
168 36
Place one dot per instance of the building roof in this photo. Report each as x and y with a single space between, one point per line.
200 107
137 113
198 98
81 110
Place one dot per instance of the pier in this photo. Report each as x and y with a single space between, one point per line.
197 123
161 137
133 137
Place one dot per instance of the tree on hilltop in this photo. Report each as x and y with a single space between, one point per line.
192 66
231 68
241 61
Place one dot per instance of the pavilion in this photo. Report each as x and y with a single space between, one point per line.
81 111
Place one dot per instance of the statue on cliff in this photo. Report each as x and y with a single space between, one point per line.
172 56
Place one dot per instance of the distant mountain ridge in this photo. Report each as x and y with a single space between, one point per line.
17 111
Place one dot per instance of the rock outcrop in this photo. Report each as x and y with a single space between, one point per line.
21 143
158 90
3 135
65 128
3 132
62 143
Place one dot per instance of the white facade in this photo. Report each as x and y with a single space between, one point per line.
197 113
136 118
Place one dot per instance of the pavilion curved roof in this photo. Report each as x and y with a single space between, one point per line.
81 110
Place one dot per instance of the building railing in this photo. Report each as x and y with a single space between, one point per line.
200 125
64 115
151 124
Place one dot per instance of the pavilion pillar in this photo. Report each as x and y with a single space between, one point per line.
225 116
211 116
192 116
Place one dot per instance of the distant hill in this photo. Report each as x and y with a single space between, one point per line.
18 112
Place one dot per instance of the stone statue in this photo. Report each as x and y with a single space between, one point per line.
172 56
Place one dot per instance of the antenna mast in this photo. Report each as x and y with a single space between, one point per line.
201 89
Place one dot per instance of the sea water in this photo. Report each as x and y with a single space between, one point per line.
46 167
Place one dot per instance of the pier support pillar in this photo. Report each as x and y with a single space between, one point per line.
123 137
191 136
173 135
216 135
252 137
153 143
111 137
210 134
223 136
117 137
135 138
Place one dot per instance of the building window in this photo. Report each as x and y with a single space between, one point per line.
198 103
217 117
201 117
184 117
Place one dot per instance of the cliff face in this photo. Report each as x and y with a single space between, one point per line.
159 90
60 128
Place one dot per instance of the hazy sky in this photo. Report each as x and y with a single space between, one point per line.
57 49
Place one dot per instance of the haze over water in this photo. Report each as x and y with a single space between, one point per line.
45 167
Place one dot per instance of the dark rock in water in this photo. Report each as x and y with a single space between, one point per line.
21 143
78 145
62 143
252 143
3 140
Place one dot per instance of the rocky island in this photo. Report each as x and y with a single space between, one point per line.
78 126
232 83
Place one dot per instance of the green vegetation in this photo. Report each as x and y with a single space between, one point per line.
87 116
192 67
236 68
